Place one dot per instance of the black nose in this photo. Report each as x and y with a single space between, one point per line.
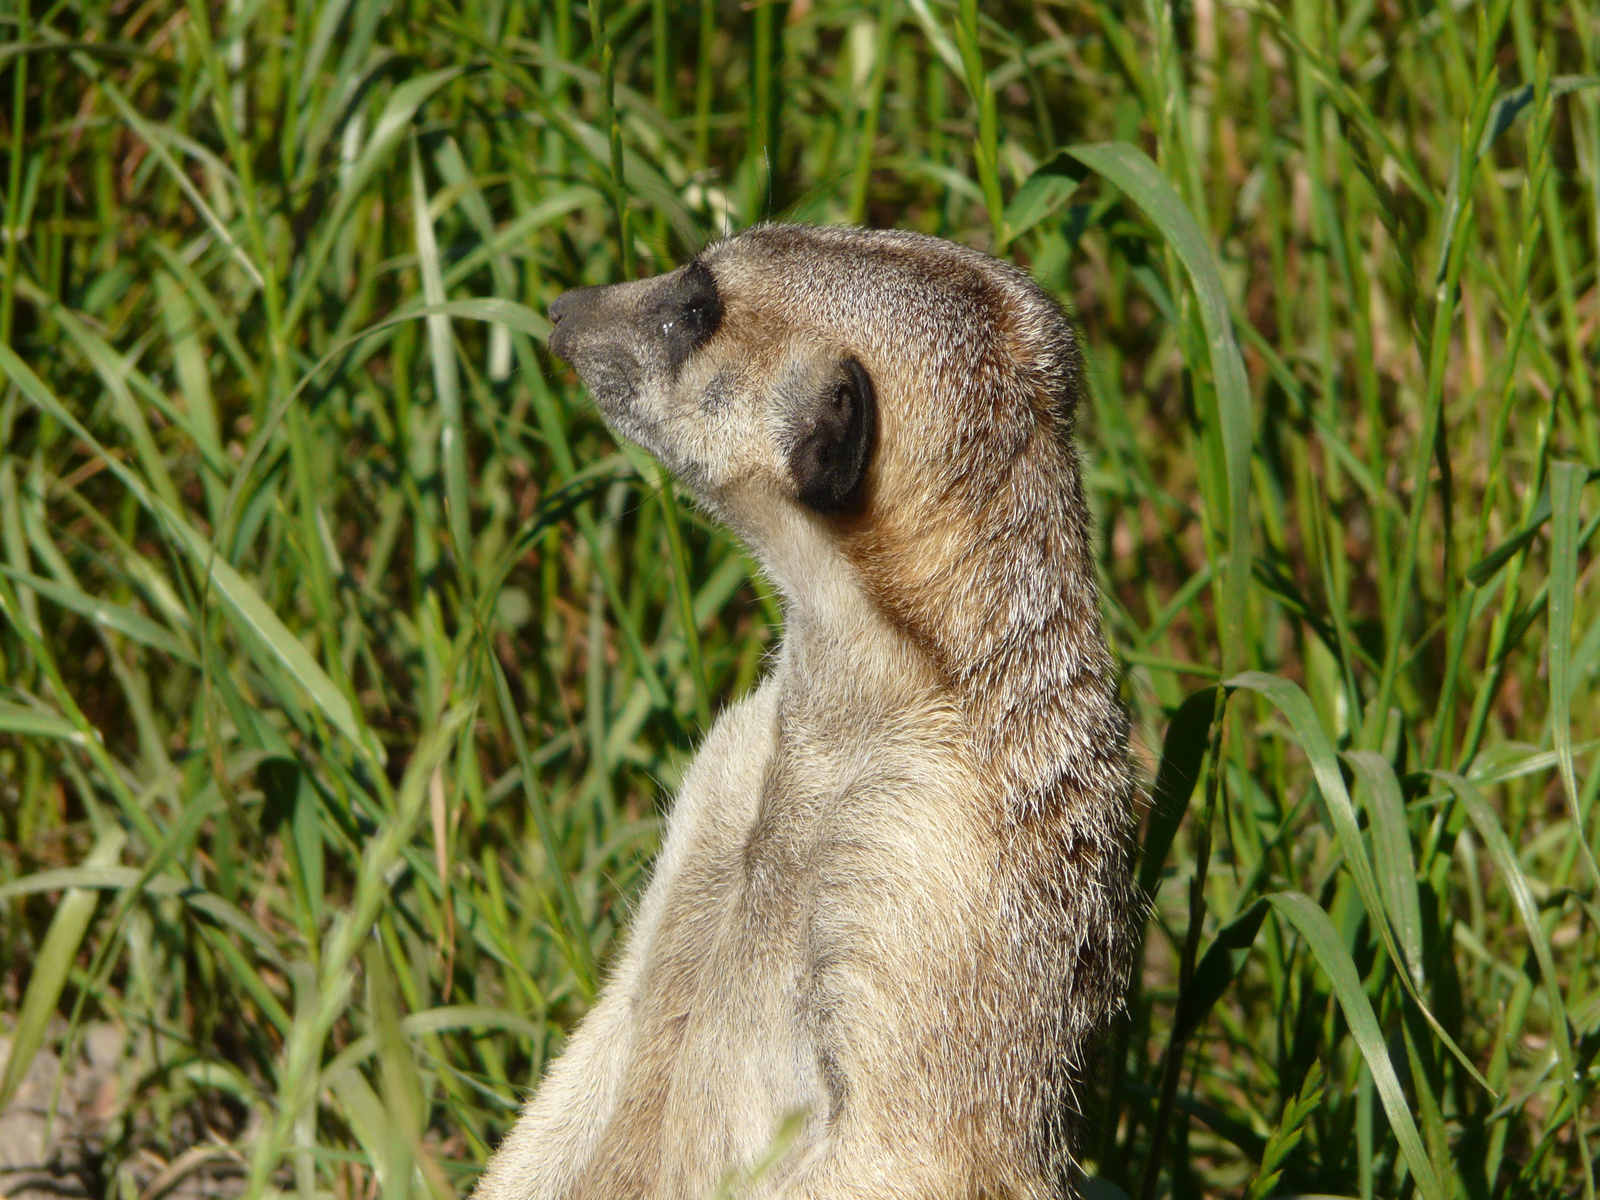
562 306
565 314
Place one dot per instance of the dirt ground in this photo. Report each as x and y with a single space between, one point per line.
94 1144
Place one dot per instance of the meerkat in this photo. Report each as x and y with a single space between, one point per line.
892 902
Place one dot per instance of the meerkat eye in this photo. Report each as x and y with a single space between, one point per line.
698 311
689 310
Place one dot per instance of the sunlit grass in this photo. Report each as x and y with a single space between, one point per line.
348 663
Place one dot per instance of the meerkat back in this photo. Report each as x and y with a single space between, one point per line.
890 916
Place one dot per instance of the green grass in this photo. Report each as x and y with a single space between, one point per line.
346 663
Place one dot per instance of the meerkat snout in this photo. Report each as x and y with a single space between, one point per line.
677 313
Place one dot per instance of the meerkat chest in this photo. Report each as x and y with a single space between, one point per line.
858 813
846 801
783 914
842 793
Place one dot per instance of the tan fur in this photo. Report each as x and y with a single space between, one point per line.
893 894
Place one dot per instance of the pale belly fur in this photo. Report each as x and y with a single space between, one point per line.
758 944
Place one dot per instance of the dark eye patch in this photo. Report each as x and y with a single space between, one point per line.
687 311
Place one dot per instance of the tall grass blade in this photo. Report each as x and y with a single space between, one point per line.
252 614
321 1000
985 149
115 617
404 102
153 139
1132 171
1296 708
35 723
51 967
446 384
1217 969
1325 944
1042 194
1183 749
1391 847
1566 486
1512 875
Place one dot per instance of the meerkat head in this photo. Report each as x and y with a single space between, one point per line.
753 406
882 399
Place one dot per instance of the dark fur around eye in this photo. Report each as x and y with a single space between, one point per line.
687 312
834 440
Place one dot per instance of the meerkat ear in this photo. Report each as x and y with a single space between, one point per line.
834 434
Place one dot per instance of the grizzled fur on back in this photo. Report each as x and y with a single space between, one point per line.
894 892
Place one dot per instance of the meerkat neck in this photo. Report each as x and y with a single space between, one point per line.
1004 604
